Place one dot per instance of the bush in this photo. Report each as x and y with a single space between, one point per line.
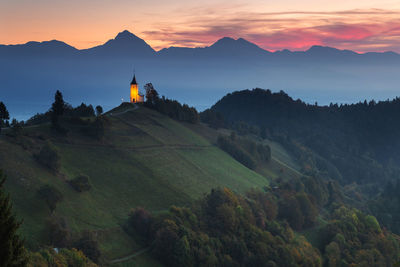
81 183
48 157
50 195
96 129
58 233
140 221
89 245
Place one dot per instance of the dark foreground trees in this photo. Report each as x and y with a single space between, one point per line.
63 258
4 115
228 229
12 251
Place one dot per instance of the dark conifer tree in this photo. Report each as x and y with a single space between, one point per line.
99 110
12 251
4 115
57 108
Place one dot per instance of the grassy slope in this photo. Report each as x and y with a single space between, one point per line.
281 165
146 160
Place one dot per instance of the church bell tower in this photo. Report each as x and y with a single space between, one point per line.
135 96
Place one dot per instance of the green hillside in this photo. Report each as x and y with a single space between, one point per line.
145 159
282 163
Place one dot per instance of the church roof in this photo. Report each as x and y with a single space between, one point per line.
134 80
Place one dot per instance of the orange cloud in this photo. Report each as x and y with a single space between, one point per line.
357 30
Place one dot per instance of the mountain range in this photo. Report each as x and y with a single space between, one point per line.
126 44
198 76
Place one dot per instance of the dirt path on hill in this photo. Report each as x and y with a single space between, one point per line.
287 166
171 146
123 112
129 257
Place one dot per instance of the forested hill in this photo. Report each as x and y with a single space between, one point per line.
356 142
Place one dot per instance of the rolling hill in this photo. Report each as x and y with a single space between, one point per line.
144 160
197 76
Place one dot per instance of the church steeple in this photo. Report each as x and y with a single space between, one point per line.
134 79
135 95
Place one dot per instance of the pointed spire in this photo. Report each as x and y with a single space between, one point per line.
134 79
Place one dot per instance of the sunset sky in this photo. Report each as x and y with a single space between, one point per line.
360 25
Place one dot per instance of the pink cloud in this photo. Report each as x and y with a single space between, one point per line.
359 30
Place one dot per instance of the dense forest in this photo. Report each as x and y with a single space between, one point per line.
268 228
354 144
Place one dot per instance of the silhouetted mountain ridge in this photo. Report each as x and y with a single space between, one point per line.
128 44
33 48
124 44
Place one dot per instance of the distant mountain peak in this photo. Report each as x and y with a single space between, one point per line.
325 50
125 35
321 48
224 41
240 45
124 44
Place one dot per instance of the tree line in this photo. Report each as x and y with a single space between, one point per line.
171 108
275 227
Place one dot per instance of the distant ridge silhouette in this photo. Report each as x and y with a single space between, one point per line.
128 44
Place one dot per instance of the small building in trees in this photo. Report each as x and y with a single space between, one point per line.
136 97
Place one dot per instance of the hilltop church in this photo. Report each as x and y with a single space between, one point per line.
135 96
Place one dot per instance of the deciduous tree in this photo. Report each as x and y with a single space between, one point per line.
51 195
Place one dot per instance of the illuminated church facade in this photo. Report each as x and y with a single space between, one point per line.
136 97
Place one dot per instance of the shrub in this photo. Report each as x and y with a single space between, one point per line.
58 233
81 183
96 129
89 245
140 221
50 195
48 157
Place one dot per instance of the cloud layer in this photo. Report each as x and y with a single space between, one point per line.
359 30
